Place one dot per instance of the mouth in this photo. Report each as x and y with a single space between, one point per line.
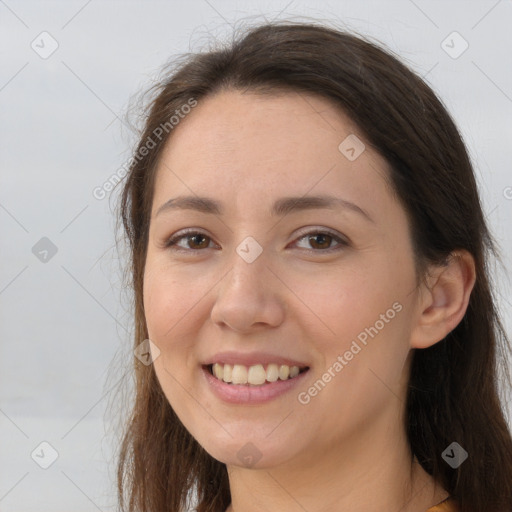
254 375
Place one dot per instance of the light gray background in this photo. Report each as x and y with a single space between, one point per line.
64 323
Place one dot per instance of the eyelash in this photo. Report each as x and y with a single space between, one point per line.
171 243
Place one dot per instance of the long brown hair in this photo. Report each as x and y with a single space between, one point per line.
453 394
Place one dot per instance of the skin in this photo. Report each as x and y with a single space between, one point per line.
346 449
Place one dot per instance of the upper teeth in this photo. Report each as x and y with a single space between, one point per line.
255 375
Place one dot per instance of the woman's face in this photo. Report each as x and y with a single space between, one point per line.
329 288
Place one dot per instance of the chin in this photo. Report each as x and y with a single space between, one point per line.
247 449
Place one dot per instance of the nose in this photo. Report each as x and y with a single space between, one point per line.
249 296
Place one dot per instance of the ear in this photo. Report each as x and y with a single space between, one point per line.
443 301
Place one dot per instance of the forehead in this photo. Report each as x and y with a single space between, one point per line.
267 126
234 142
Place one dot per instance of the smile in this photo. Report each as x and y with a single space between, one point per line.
254 375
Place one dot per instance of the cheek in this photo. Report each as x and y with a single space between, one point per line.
168 301
362 374
169 311
339 303
360 327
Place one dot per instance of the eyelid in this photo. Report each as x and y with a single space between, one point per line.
171 241
343 241
318 229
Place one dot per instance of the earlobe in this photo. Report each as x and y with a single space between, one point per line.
443 303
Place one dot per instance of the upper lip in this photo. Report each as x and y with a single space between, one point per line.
250 359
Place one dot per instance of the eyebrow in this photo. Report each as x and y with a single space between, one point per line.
281 207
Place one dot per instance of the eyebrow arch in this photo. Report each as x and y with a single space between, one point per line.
281 207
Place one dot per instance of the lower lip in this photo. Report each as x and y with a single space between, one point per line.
247 394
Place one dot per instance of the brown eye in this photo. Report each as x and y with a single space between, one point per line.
199 240
321 241
195 240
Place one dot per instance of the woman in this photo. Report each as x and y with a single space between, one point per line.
309 260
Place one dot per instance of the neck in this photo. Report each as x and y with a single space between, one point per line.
372 470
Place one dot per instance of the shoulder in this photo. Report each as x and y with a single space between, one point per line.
447 505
